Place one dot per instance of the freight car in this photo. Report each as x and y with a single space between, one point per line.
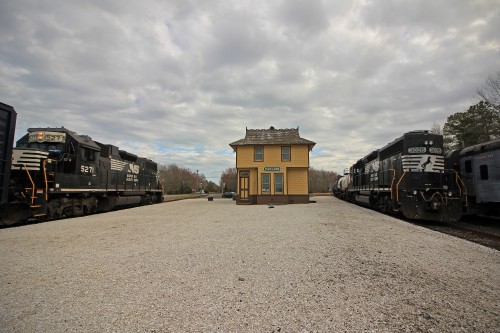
57 173
479 168
407 176
341 186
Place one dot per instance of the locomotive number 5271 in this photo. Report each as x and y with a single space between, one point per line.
87 169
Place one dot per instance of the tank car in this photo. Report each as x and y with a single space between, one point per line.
341 186
479 168
408 176
57 173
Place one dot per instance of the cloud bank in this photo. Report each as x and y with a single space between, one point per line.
177 81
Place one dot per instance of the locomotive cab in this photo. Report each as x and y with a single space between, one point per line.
69 157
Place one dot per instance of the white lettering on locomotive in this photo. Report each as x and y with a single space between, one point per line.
87 169
417 150
435 150
132 178
46 136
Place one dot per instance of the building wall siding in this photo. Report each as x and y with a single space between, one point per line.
272 157
298 181
295 173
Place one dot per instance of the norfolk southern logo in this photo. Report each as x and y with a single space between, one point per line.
426 163
133 168
132 172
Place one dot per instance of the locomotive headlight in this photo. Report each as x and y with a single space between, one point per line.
426 143
415 192
431 143
450 194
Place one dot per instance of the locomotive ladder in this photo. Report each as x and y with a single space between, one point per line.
48 178
34 196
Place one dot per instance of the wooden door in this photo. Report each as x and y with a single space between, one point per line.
244 185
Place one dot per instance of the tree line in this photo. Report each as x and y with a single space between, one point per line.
179 180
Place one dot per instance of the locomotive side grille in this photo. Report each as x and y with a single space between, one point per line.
419 163
30 158
118 165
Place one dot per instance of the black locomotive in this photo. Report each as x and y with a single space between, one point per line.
479 168
406 176
57 173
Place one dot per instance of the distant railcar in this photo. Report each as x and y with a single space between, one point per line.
57 173
479 168
341 187
408 176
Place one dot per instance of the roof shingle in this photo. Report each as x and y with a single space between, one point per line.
272 136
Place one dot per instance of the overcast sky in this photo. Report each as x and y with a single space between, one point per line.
178 80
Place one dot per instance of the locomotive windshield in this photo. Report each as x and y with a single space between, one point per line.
54 149
51 147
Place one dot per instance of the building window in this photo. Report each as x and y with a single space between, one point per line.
278 183
285 154
259 154
266 183
483 171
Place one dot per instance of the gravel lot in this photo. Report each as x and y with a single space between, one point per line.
200 266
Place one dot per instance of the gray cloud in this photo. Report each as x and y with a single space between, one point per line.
177 81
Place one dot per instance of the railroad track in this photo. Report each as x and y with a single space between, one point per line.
481 230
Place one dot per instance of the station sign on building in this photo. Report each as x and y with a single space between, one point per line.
272 166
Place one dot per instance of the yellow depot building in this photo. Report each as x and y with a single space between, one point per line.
273 166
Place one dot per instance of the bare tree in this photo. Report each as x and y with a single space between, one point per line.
178 180
436 129
228 179
490 92
321 180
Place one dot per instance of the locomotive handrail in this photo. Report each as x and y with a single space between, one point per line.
457 178
32 183
393 179
432 196
397 185
45 179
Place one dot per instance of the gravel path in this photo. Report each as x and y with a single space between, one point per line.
200 266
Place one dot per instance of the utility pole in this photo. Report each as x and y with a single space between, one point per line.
197 189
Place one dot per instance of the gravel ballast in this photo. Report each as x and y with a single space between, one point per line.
212 266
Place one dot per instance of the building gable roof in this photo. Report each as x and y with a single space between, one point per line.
272 136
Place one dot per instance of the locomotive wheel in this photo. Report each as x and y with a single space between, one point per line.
385 206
